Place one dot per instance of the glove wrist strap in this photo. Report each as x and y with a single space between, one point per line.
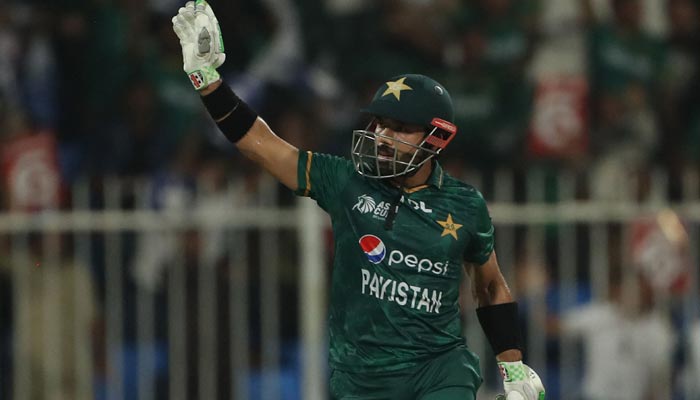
203 77
232 115
512 371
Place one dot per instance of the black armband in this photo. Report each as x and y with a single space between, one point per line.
500 325
233 116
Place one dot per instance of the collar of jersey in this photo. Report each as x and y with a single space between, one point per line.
435 179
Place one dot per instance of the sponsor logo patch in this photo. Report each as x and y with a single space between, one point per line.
197 79
373 247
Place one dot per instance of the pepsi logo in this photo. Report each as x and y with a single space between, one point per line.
373 248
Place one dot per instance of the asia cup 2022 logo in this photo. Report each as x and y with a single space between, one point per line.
373 247
365 204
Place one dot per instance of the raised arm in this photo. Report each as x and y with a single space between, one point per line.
203 52
272 153
263 146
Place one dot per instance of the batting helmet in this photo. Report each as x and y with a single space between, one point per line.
412 99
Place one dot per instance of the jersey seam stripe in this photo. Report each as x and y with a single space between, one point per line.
309 156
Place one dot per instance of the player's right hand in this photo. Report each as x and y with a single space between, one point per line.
202 44
520 382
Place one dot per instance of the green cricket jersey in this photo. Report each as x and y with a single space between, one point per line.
394 294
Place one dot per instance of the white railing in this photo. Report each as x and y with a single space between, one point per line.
221 267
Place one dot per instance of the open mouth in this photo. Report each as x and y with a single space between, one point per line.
385 153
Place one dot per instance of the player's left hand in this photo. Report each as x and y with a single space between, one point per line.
202 45
520 382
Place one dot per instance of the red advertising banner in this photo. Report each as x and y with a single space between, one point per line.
30 172
558 129
659 250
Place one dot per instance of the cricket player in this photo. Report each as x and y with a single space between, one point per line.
405 232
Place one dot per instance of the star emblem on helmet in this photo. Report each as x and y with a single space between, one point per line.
396 87
449 227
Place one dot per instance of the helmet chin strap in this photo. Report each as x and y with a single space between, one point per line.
400 181
394 208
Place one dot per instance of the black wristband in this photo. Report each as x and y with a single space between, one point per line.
233 116
500 325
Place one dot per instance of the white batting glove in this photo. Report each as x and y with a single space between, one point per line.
520 382
202 44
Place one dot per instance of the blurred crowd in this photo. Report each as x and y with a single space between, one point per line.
604 86
92 90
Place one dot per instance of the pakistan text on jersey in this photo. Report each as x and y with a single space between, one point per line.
401 293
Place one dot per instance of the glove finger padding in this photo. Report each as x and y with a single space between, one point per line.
218 38
203 29
183 24
209 31
182 28
187 14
